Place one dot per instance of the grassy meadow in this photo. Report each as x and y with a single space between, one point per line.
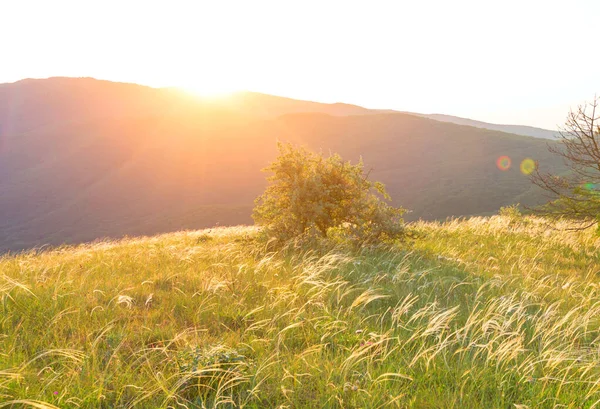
493 312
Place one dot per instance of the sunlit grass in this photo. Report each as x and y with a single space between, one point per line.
487 312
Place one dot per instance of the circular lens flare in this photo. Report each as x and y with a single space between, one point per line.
527 166
591 188
503 163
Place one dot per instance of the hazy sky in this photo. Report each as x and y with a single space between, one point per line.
522 62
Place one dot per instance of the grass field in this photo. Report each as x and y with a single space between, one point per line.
483 313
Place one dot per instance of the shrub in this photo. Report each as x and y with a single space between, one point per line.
310 195
512 212
515 215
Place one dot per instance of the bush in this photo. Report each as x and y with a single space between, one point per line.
515 215
310 195
512 212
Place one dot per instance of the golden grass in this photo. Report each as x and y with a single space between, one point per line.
486 312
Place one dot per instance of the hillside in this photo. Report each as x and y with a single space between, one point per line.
97 159
487 312
35 103
514 129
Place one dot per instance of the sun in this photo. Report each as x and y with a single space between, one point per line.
211 88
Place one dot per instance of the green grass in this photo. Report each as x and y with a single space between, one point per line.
482 313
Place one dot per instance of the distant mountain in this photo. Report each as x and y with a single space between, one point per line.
82 159
515 129
270 106
33 103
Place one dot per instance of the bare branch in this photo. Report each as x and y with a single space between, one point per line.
575 195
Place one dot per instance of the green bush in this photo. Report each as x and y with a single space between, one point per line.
512 212
310 196
515 215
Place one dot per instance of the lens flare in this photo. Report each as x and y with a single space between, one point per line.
590 188
527 166
503 163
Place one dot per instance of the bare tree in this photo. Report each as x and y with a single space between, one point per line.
575 194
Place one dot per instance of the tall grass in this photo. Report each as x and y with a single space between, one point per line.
487 312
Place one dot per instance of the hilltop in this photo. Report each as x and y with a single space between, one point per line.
32 103
82 159
488 312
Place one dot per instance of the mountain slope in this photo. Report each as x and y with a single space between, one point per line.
514 129
84 169
31 103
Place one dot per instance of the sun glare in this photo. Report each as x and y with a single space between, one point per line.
211 89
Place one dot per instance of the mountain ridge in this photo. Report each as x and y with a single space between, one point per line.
524 130
78 175
264 104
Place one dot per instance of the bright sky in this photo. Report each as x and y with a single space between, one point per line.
521 62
